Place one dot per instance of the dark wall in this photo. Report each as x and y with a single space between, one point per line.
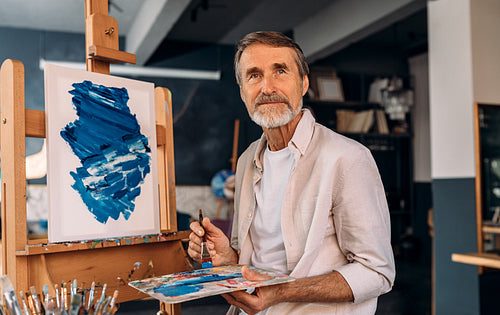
204 110
204 114
456 284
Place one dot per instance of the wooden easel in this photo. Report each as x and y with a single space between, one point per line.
114 262
233 160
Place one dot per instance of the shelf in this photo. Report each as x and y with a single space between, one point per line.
343 105
391 151
489 227
478 259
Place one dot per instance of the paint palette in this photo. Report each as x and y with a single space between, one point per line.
192 285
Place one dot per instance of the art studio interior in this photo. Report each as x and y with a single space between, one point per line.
414 81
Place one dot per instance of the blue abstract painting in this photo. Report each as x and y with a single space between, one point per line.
114 155
102 174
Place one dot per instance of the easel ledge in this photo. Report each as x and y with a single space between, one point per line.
40 246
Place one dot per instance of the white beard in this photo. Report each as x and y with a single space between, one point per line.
272 117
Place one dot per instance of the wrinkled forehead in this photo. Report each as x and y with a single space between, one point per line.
263 56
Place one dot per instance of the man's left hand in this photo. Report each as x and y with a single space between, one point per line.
260 299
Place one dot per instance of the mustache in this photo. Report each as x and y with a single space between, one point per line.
262 98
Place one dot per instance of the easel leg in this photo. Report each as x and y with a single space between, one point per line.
169 309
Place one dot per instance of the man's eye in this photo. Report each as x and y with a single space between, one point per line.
254 76
281 71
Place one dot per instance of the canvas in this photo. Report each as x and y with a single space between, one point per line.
196 284
101 144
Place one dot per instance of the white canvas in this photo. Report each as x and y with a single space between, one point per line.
102 159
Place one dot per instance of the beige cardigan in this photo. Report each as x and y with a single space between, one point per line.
334 217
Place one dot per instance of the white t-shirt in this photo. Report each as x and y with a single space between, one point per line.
265 231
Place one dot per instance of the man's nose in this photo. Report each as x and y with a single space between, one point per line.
268 85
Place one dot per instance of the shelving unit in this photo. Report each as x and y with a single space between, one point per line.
392 153
487 154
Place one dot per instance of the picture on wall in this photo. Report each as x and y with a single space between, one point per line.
101 145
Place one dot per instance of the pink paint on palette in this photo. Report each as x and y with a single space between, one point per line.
191 285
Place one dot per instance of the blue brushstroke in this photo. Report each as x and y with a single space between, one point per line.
178 290
114 155
207 264
192 285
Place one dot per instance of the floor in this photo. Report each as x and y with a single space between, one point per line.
411 295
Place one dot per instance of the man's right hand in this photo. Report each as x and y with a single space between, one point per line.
217 242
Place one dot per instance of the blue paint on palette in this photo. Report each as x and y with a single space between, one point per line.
192 284
114 155
178 290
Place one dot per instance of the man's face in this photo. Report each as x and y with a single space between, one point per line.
271 85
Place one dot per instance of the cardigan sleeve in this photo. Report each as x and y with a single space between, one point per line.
363 228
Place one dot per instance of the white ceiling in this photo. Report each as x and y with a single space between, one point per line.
146 24
61 15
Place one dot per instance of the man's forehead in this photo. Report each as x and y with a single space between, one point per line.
257 55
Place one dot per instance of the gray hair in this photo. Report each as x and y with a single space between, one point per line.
274 39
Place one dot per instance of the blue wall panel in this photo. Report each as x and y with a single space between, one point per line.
456 287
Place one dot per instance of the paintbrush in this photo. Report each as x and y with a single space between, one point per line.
25 306
3 309
45 296
36 300
206 260
9 296
76 299
29 301
58 302
73 288
101 300
104 306
64 298
91 296
50 306
112 303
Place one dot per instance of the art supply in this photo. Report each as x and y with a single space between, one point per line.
206 260
75 304
91 295
50 307
58 301
25 306
82 302
36 300
104 306
2 309
101 300
9 296
74 288
31 305
64 297
111 307
200 283
45 295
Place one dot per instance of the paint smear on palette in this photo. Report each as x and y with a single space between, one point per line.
192 285
195 284
179 290
114 155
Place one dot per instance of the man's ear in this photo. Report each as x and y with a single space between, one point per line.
305 85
